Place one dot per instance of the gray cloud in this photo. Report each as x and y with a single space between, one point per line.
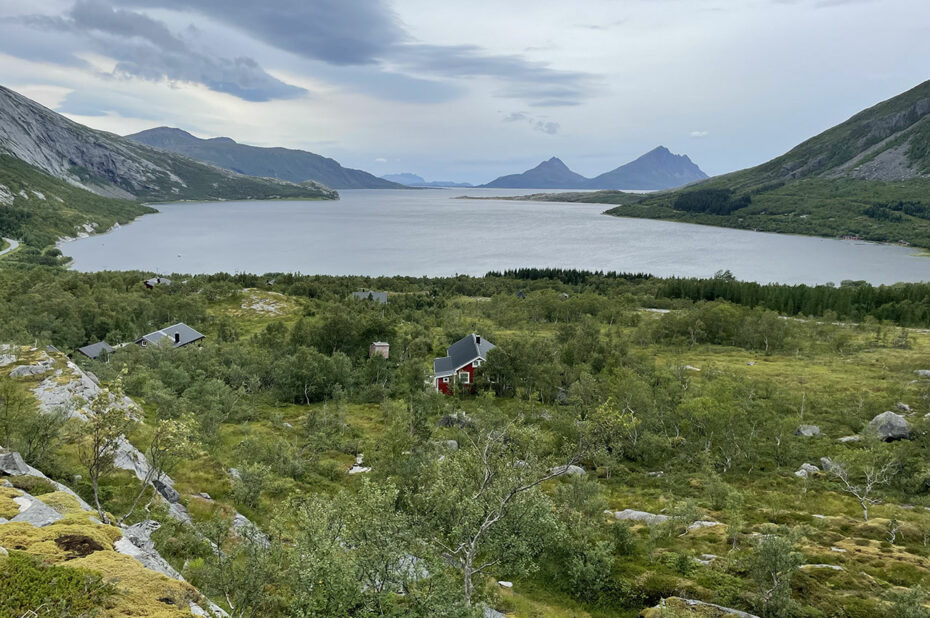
353 33
145 48
535 82
334 31
542 125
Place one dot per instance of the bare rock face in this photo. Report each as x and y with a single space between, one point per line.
889 426
12 464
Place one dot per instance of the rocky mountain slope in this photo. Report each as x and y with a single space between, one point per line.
657 169
282 163
112 166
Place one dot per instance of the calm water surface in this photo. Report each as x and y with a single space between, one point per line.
426 232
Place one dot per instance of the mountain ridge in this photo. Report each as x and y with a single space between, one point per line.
288 164
112 166
657 169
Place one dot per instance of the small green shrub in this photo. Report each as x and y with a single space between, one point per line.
32 484
25 585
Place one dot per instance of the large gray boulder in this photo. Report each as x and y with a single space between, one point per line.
12 464
568 470
890 426
24 371
923 373
808 431
643 516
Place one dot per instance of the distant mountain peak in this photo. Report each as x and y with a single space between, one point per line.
657 169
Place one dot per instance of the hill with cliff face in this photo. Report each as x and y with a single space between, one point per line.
113 166
282 163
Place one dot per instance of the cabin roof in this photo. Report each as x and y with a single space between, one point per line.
96 349
464 351
185 335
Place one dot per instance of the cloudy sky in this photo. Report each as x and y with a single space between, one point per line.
471 90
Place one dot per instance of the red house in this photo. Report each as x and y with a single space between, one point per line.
460 362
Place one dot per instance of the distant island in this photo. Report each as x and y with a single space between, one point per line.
657 169
412 180
282 163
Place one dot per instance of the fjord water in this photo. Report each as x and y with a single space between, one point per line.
428 232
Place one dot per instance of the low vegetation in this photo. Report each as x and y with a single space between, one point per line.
682 399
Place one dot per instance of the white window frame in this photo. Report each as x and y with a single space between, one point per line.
464 377
445 380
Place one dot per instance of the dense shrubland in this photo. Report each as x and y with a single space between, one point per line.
691 411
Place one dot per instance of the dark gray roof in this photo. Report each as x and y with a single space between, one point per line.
96 349
378 297
181 334
461 353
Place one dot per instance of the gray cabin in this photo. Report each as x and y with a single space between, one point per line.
378 297
180 334
96 350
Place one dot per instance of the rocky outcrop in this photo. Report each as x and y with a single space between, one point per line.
641 516
889 426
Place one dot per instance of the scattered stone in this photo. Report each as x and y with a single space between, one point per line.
691 368
806 470
889 426
33 511
167 491
568 470
449 445
703 523
234 472
751 363
838 550
643 516
923 373
456 419
287 425
247 529
819 516
205 496
827 464
903 407
7 359
807 431
834 567
492 613
655 474
24 371
4 552
505 584
137 543
846 439
673 603
357 467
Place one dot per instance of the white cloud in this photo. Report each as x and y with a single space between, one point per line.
699 133
381 160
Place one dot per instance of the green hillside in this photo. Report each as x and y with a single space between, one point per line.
38 209
867 177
